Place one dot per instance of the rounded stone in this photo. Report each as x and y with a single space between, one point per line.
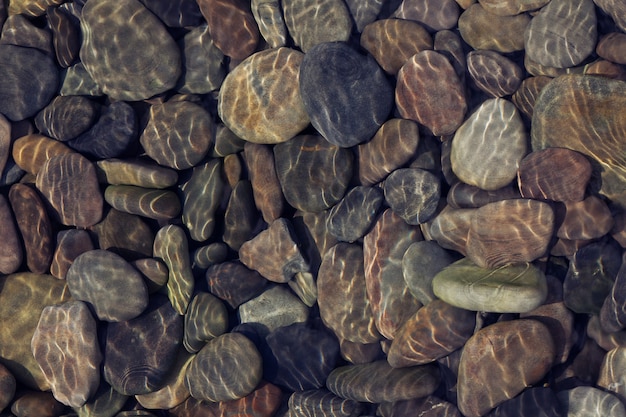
494 73
586 219
234 283
267 82
227 368
420 263
53 119
489 145
429 92
507 289
146 202
203 63
127 50
612 47
434 14
527 93
110 285
346 94
7 387
320 402
65 29
69 244
512 7
275 307
413 194
139 172
12 255
268 15
125 234
353 216
240 216
268 196
206 319
178 134
587 401
173 392
484 30
31 151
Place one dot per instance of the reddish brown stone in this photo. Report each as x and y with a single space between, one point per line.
586 219
262 402
268 195
31 151
434 14
613 47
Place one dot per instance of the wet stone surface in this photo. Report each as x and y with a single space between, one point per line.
268 208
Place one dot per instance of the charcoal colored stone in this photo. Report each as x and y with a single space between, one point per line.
420 264
66 40
206 319
52 120
241 216
412 194
234 283
352 217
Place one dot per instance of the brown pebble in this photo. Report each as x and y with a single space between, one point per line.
606 69
484 30
613 47
434 14
264 401
463 195
151 203
268 196
69 244
494 73
526 95
12 255
65 35
31 151
40 404
586 219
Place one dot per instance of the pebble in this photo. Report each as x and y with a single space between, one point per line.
512 7
52 119
70 364
375 158
26 92
434 331
412 194
69 245
30 7
364 12
299 357
612 47
139 172
12 256
176 13
463 196
227 368
352 217
203 63
111 136
195 408
65 35
488 147
206 319
5 142
360 353
178 134
268 196
419 93
611 374
393 41
171 246
391 301
273 308
562 35
69 183
310 24
514 288
153 271
140 57
7 387
581 130
18 30
586 219
75 80
496 364
32 403
493 73
342 297
535 401
31 151
34 225
173 392
23 297
321 402
111 286
274 253
313 173
586 401
240 216
526 95
420 263
147 202
451 45
264 401
346 95
125 234
484 30
377 382
268 15
612 314
557 174
232 26
432 14
234 283
138 353
105 402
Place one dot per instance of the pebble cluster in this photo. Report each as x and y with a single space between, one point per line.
305 208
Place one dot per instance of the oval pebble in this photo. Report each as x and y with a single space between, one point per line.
206 319
612 47
69 245
227 368
66 40
413 194
346 94
146 202
352 217
268 195
111 286
435 15
31 151
527 93
312 403
420 264
484 30
125 234
52 119
507 289
268 15
139 172
512 7
494 73
178 134
18 30
203 63
12 256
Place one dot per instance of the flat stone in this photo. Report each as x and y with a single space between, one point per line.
450 228
420 263
613 314
264 401
557 174
346 94
125 234
498 362
69 183
139 353
170 245
111 136
66 40
140 57
463 196
527 93
299 357
436 330
591 402
375 161
111 286
75 80
612 47
31 151
391 301
36 403
586 219
69 245
507 289
535 401
364 12
70 364
147 202
30 80
581 129
494 73
139 172
153 271
562 34
274 253
206 319
192 407
203 63
342 298
23 297
311 23
432 14
268 83
488 147
420 96
313 173
275 307
378 382
393 41
177 13
241 216
512 7
353 216
232 26
268 196
321 402
524 232
229 367
413 194
268 15
234 283
12 255
484 30
34 226
52 120
173 392
178 134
